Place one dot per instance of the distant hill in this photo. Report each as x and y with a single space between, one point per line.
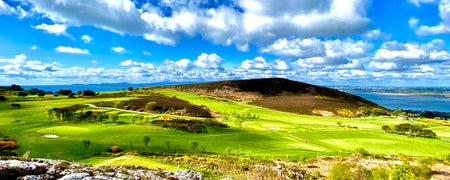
282 94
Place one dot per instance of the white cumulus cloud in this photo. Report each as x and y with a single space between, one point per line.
71 50
86 39
56 29
119 50
209 61
442 27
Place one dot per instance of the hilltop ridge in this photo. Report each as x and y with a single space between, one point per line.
282 94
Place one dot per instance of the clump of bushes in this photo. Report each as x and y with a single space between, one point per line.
115 149
8 143
192 126
344 170
409 130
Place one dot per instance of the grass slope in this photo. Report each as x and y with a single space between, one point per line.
268 134
282 94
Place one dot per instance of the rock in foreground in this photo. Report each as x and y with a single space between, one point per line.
58 169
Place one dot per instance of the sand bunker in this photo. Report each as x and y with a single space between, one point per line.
19 121
274 128
50 136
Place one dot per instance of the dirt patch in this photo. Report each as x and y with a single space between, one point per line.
52 136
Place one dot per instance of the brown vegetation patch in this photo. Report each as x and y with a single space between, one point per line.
306 104
8 143
161 104
192 126
104 104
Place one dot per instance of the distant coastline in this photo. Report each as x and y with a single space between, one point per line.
406 98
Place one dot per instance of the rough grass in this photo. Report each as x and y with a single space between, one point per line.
271 134
129 160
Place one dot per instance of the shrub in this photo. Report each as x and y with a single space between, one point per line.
363 111
3 98
146 140
362 151
167 143
114 117
8 145
380 173
88 93
386 128
115 149
377 112
194 145
361 173
407 171
86 144
228 151
341 171
346 113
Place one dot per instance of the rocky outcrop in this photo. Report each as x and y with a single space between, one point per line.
37 169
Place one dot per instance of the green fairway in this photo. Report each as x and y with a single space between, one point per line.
253 132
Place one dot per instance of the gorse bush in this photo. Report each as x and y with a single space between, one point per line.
115 149
341 171
404 171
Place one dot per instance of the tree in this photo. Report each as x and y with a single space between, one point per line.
88 93
3 98
79 93
22 94
386 128
41 93
168 145
377 111
65 92
146 140
364 111
114 117
14 87
133 119
194 145
130 88
86 144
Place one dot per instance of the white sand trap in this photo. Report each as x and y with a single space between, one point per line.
274 128
19 121
50 136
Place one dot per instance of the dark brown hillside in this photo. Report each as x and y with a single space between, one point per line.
282 94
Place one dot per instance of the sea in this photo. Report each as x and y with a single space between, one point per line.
423 98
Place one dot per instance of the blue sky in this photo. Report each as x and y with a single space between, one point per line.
325 42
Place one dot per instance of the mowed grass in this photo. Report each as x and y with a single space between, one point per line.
272 134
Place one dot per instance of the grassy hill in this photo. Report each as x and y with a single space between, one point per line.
282 94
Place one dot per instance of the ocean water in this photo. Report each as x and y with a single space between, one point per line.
408 101
407 98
